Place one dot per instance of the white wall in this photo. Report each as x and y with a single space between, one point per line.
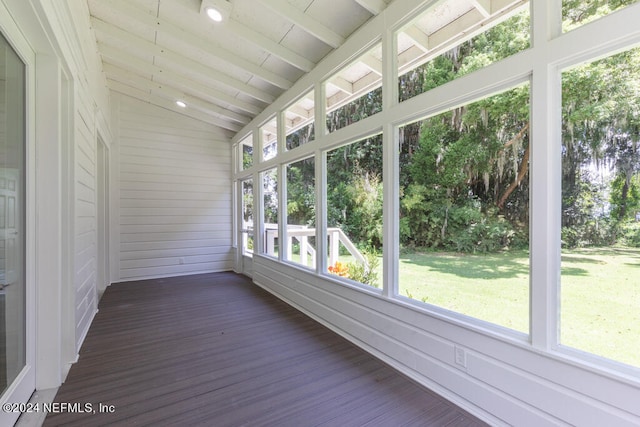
85 239
67 107
175 193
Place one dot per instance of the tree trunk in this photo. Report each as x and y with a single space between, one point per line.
524 168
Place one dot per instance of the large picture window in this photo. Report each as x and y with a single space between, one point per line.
247 225
427 58
464 210
269 140
301 215
579 12
246 153
354 211
270 211
600 282
355 92
507 172
299 122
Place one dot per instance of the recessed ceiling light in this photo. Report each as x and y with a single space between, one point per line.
181 104
214 14
216 10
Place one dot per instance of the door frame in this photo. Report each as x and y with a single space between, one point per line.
24 385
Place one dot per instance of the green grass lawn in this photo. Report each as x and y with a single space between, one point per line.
600 293
600 302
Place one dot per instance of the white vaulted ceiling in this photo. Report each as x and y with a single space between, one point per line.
160 51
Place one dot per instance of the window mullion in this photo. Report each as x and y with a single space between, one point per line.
545 179
390 168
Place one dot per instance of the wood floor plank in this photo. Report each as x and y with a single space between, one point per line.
216 350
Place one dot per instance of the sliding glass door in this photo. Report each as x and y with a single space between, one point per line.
12 216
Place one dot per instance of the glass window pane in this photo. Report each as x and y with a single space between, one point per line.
269 140
299 122
455 38
270 208
355 92
246 153
354 211
12 216
579 12
600 284
247 216
464 210
301 214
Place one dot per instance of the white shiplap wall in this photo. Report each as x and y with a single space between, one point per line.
85 261
175 194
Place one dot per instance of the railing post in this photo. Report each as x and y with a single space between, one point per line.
270 242
303 250
334 247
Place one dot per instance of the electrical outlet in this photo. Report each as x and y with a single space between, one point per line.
461 357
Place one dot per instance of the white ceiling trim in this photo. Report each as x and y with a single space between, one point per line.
169 29
171 93
308 24
170 105
373 6
208 73
270 46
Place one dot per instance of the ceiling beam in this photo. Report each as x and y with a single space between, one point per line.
456 28
372 63
483 6
304 21
143 45
129 62
169 29
298 111
275 49
171 93
420 39
373 6
342 84
161 76
170 105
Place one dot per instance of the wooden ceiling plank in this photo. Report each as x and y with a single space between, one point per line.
342 84
287 55
373 6
167 91
483 6
186 85
420 39
169 105
456 28
308 24
149 47
169 29
300 112
372 63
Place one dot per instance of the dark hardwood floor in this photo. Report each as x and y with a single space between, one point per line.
216 350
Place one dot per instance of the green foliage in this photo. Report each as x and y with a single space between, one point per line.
301 194
358 109
354 191
366 274
579 12
631 234
625 197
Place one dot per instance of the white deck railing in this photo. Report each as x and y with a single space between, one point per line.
302 234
